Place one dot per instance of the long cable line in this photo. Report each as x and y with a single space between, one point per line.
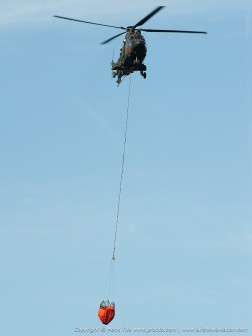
122 170
106 311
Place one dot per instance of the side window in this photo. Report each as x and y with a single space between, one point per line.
131 40
128 44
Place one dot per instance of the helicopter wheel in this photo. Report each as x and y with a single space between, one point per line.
114 73
143 73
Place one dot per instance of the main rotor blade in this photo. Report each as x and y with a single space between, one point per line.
97 24
112 38
147 17
172 31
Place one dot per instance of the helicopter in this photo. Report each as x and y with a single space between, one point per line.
134 50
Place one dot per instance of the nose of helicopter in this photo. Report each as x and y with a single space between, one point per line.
140 49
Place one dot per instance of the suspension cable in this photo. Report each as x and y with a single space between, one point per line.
122 170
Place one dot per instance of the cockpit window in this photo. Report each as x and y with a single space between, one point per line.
136 37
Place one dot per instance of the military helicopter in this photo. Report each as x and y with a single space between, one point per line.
133 51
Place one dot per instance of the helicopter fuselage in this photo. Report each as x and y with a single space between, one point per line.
132 53
133 50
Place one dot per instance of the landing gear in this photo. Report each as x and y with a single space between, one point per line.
143 70
143 73
119 75
120 70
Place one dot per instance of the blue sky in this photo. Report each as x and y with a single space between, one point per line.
185 228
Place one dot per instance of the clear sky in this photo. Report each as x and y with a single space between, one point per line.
184 243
